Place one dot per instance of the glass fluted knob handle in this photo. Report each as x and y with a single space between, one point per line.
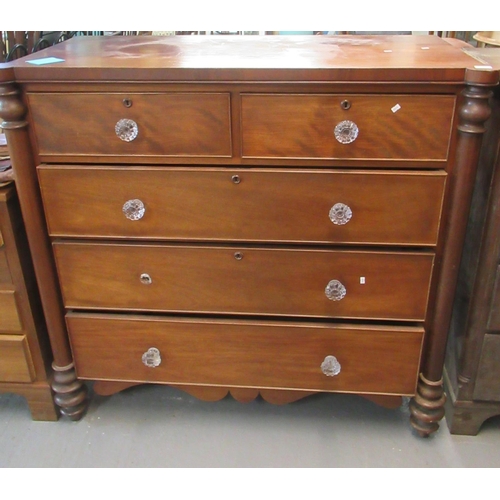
146 279
134 209
346 132
340 214
331 366
335 290
152 358
126 129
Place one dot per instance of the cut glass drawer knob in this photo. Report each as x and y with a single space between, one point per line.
340 214
126 129
335 290
346 132
331 366
151 358
146 279
134 209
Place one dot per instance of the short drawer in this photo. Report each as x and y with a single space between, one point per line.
9 314
388 127
158 124
244 280
391 208
15 359
246 354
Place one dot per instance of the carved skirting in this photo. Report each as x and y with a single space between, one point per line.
242 394
206 393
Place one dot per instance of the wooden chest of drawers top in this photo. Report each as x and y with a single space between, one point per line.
233 58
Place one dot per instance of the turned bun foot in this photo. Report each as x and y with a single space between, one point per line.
427 407
70 394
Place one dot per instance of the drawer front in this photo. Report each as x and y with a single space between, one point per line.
487 386
15 360
5 276
389 127
241 205
245 280
494 319
245 354
173 124
9 314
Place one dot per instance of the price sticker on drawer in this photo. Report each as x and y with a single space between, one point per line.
362 280
396 108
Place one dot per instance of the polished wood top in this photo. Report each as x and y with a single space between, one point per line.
250 58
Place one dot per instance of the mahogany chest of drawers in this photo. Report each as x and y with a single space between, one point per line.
25 355
265 216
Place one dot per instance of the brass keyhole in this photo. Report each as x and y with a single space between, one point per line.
127 103
238 255
345 104
236 179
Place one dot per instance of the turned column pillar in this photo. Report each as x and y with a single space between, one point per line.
70 395
427 407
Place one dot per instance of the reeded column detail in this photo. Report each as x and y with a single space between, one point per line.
70 394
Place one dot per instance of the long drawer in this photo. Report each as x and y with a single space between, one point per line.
246 354
389 127
392 208
244 280
156 124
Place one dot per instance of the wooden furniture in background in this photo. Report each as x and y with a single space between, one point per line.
473 355
18 44
25 355
221 218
